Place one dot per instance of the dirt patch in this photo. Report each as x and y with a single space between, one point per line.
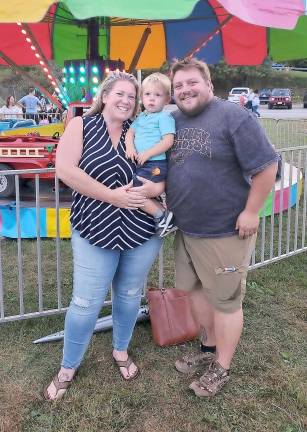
13 402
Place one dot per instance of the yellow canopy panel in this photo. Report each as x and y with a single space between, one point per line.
23 11
125 40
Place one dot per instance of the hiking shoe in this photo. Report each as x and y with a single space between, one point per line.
165 224
191 363
211 382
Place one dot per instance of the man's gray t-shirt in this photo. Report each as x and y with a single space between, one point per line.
213 157
31 103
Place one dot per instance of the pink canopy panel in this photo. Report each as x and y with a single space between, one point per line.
214 30
268 13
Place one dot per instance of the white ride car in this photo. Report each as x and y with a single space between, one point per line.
235 92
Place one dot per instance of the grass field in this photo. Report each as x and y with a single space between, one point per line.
267 392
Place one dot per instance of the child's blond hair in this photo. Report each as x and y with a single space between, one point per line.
158 78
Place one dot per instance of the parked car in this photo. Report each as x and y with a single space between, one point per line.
305 99
235 92
264 95
278 66
280 97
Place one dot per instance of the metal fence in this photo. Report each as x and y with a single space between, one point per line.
36 274
15 121
286 133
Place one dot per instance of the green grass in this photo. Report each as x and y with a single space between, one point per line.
267 392
298 74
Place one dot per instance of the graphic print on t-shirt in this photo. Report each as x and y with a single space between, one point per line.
190 140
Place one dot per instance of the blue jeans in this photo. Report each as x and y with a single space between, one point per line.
255 110
95 269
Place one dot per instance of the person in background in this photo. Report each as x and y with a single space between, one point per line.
243 99
32 104
149 137
43 102
113 240
256 103
221 169
10 111
250 97
85 96
44 119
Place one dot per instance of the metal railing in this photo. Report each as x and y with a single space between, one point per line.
15 121
285 133
36 274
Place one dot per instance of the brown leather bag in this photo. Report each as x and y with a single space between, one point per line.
171 318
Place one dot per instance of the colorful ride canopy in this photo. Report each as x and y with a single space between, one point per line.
208 30
269 13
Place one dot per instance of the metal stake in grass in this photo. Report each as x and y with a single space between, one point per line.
104 323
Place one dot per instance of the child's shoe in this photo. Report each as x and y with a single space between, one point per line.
165 224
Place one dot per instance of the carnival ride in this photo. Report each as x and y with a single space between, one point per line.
32 151
48 130
71 36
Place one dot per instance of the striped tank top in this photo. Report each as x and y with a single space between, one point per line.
101 223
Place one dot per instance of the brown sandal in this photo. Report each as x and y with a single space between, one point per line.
126 364
211 382
59 386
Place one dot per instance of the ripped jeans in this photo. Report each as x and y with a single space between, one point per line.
95 269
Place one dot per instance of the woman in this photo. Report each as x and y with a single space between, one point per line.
112 239
10 111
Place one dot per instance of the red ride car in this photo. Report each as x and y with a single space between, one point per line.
24 152
20 152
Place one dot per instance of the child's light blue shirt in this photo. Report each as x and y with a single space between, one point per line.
149 129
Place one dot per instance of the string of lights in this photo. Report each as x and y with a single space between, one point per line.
43 62
81 78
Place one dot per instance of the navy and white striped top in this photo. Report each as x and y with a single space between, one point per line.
103 224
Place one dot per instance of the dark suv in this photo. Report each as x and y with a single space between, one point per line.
280 97
305 99
264 95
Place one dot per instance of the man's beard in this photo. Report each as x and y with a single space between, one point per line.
195 111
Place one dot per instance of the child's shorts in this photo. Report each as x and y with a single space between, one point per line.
154 171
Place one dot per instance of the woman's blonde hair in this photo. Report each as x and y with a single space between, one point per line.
106 86
160 79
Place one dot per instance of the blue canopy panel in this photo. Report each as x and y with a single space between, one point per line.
200 23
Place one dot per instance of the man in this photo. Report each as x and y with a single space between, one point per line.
221 168
31 103
250 97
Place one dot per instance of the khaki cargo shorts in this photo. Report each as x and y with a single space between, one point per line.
218 266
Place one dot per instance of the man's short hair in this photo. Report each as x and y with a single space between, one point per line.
31 89
189 63
158 78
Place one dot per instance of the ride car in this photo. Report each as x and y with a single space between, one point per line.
264 95
305 99
32 151
280 97
235 92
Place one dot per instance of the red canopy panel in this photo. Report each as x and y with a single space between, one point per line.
14 45
243 43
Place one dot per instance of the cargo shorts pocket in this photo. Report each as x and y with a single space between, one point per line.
230 282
